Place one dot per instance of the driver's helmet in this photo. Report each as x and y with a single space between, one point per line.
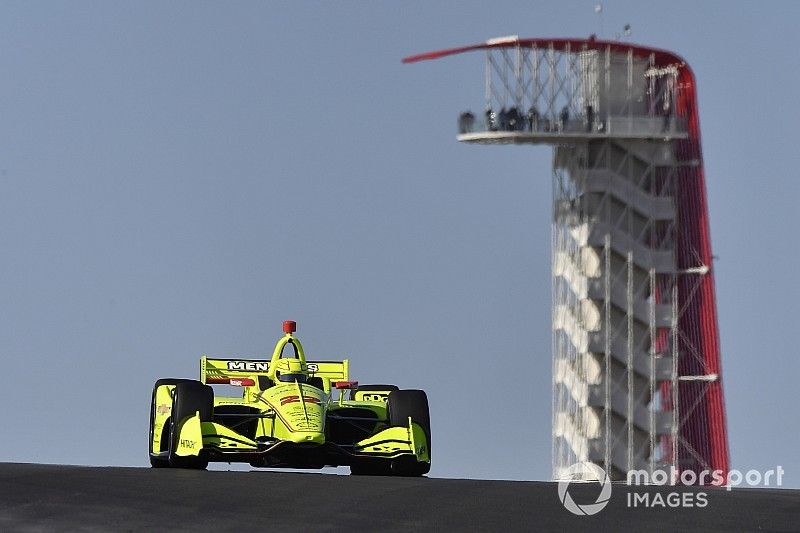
288 370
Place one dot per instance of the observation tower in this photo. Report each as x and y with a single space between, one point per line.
636 356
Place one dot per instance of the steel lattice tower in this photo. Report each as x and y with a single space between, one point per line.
636 357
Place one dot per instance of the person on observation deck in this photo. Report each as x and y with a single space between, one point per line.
491 119
514 119
502 119
466 122
533 118
564 117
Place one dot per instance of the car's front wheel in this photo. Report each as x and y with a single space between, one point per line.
157 458
188 398
402 405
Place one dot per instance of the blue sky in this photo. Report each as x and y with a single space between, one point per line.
178 178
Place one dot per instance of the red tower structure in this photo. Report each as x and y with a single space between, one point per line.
636 352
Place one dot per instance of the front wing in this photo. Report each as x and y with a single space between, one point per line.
224 444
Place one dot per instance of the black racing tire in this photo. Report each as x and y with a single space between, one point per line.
410 403
159 462
189 397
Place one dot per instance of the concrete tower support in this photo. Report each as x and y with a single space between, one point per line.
636 378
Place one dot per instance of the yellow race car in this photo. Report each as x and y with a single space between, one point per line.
291 413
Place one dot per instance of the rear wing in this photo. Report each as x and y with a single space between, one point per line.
213 370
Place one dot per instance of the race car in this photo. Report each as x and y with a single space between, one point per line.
291 413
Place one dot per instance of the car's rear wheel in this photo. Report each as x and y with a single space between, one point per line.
410 403
155 460
188 398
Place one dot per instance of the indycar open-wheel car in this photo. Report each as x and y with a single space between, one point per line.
291 413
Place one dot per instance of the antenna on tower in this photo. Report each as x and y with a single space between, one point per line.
598 8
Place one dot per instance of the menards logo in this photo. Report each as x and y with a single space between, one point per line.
261 366
248 366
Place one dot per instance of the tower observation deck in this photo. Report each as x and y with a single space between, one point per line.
636 357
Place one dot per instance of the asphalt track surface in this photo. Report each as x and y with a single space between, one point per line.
74 498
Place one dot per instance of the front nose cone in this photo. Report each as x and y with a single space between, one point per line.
307 437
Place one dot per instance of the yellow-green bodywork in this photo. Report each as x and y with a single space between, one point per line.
284 414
